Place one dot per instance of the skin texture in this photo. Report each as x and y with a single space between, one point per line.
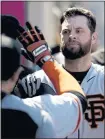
8 86
77 41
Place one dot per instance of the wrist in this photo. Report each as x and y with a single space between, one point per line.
45 59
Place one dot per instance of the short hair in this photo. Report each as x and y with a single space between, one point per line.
10 57
9 24
75 11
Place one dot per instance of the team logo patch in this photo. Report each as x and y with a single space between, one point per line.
95 112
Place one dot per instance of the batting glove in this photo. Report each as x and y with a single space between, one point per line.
34 43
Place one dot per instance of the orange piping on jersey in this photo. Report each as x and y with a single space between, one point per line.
79 117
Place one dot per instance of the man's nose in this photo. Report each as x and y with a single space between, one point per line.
72 35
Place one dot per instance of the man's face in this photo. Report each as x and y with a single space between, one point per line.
76 37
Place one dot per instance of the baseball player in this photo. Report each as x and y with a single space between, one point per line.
41 116
28 85
78 35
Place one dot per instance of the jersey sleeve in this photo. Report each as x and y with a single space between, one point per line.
61 79
32 112
65 111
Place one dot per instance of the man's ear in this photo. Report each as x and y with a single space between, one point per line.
94 37
95 42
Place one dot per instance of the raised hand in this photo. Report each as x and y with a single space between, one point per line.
34 43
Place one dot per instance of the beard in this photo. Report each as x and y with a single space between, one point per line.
73 53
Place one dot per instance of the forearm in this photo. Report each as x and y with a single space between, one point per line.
62 80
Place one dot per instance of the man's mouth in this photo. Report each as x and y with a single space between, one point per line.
73 43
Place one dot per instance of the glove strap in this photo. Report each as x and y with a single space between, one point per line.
43 60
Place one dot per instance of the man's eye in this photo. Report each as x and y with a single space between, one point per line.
78 31
65 32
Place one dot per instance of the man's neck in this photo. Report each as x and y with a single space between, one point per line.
7 87
78 65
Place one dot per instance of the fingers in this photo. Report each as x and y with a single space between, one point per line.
29 85
23 41
24 84
40 34
24 36
30 39
33 32
33 80
38 83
